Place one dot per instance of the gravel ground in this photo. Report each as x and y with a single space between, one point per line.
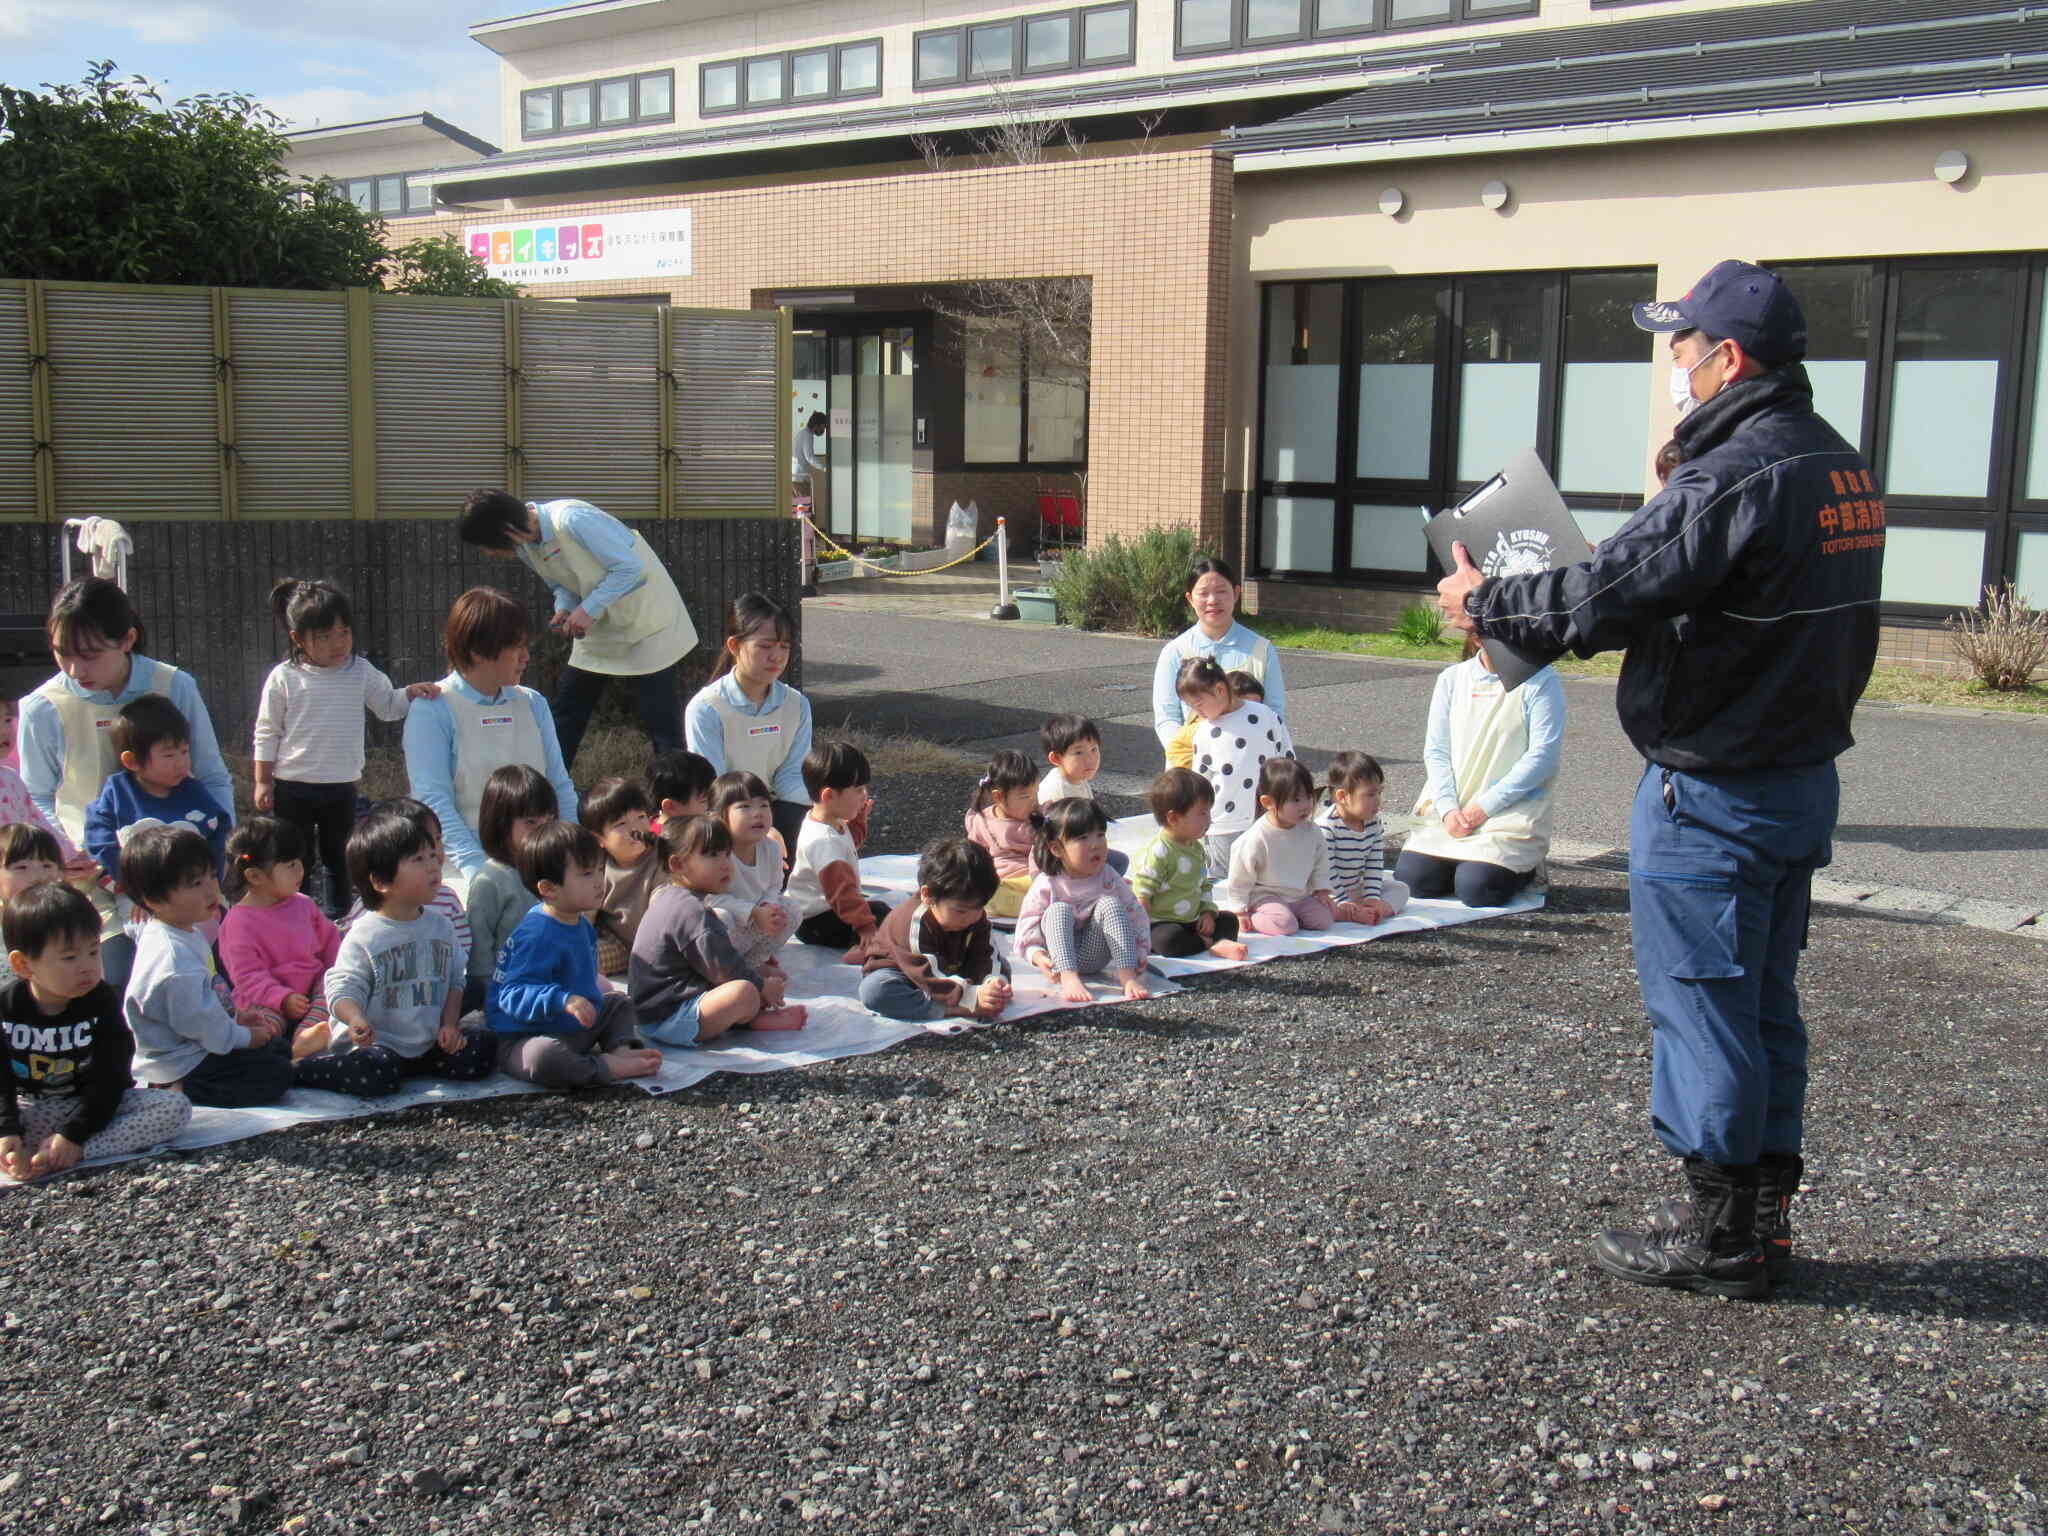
1300 1249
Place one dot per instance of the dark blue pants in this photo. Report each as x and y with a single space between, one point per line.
654 697
1720 875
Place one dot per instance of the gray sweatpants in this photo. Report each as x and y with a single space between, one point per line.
148 1117
573 1060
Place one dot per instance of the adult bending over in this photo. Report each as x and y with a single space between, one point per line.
1749 610
614 599
1211 591
1492 757
482 721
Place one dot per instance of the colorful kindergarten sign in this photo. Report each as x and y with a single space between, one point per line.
583 249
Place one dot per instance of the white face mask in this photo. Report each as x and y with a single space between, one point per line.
1681 385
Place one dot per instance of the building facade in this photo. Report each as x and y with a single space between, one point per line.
1341 256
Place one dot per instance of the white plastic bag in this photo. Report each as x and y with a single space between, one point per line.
963 526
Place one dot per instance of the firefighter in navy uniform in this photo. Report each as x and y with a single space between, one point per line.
1746 596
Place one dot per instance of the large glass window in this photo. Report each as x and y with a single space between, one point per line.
1106 35
764 81
800 77
1435 383
1840 333
1949 337
992 50
1396 351
1033 45
810 73
938 58
1937 368
537 112
1022 405
1605 412
1213 26
1500 371
1304 341
720 88
614 102
1206 25
577 107
654 97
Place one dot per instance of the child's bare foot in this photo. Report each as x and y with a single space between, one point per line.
1135 989
1074 989
311 1040
1229 949
626 1062
790 1016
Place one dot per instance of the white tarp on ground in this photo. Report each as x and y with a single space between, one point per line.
838 1025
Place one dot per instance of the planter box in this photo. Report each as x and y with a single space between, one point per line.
1035 606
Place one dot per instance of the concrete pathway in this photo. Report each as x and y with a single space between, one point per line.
1943 812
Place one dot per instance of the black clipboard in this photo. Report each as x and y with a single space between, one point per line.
1515 524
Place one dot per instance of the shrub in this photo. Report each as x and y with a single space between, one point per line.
1420 624
2005 644
1134 587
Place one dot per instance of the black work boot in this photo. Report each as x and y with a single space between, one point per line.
1778 1176
1714 1250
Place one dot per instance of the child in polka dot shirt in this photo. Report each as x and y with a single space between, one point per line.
1231 746
1171 875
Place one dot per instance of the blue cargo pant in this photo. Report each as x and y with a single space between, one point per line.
1720 875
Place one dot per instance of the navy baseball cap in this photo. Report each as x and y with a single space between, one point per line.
1738 302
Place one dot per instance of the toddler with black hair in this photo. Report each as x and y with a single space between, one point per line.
1232 743
65 1055
1171 878
308 755
556 1023
934 955
1079 917
824 874
1003 818
619 811
275 942
1356 838
680 783
395 987
1280 867
188 1034
688 980
154 784
30 855
1073 745
759 915
517 802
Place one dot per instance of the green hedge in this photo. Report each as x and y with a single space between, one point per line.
1134 587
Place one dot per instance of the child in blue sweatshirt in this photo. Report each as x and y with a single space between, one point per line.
555 1023
154 784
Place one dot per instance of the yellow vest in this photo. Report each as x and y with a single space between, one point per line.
644 631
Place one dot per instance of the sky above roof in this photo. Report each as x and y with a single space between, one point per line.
313 62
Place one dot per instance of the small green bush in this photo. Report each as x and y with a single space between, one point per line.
1134 587
1420 624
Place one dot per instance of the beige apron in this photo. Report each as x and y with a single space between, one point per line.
644 631
756 744
1489 734
488 737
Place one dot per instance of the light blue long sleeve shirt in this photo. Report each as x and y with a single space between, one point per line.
610 543
1233 653
41 736
704 732
1543 713
430 764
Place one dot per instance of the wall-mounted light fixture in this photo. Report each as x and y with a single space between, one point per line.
1392 201
1951 166
1494 195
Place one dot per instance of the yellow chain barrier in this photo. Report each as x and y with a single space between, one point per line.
882 570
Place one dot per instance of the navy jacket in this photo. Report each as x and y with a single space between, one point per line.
1746 593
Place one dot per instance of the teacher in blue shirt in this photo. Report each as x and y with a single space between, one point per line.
614 599
1211 592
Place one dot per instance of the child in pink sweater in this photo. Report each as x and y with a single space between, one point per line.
276 943
1003 818
1079 917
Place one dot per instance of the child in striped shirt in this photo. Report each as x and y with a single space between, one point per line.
309 727
1352 828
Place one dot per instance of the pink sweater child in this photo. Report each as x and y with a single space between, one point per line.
1103 902
16 806
1007 838
272 953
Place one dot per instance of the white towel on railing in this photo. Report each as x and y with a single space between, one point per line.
107 542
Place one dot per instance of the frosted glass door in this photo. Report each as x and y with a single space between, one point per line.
840 455
891 519
867 437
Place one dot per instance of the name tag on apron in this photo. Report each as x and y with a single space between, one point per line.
764 730
489 720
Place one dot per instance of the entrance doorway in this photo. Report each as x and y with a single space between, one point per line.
861 370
